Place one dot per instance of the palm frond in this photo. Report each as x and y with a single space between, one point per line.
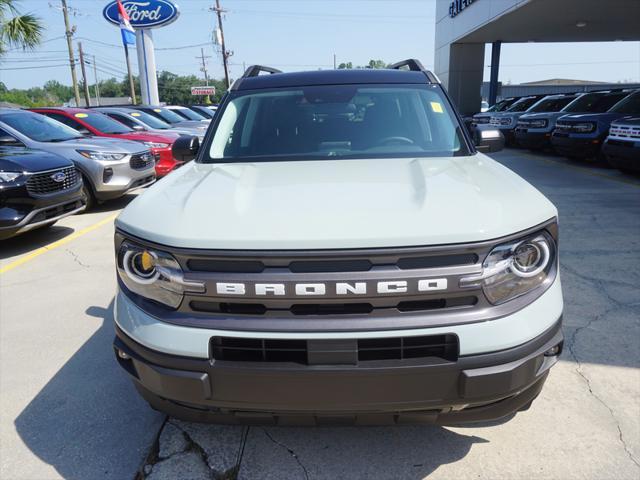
21 31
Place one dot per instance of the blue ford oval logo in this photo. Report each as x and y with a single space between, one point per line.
143 13
59 177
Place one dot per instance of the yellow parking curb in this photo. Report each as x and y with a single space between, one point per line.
56 244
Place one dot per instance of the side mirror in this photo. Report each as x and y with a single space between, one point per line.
185 148
488 139
9 141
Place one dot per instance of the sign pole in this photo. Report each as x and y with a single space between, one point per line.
132 88
147 67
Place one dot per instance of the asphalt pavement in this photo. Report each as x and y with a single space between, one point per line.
67 411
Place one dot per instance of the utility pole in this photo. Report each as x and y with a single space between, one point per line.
334 61
225 54
95 77
72 63
207 100
84 76
87 98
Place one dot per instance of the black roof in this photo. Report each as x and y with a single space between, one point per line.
331 77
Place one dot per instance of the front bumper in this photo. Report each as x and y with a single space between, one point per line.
580 147
624 155
533 140
474 388
166 163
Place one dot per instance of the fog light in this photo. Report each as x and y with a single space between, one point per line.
124 356
107 174
553 351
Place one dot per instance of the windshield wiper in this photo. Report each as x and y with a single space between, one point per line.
57 140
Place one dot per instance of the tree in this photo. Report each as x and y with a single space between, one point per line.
344 66
18 30
377 64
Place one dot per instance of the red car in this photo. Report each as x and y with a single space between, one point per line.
89 122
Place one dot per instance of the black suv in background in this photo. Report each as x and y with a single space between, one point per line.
482 118
622 146
36 189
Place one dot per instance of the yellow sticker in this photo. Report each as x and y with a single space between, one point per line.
157 110
81 115
436 107
135 114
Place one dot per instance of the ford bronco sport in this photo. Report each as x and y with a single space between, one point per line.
338 251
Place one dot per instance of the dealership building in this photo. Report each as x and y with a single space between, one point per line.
465 27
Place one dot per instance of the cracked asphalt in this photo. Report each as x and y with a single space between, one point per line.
66 410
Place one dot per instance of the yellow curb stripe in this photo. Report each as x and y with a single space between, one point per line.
56 244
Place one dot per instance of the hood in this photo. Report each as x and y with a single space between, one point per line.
104 144
331 204
632 120
193 124
606 117
542 115
147 137
18 159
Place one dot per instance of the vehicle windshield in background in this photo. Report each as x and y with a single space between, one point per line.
104 124
39 127
551 104
169 116
522 104
150 120
630 105
594 102
189 114
330 122
500 106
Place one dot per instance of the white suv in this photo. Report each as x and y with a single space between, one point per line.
339 250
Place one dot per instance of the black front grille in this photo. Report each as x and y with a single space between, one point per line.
142 161
440 348
349 308
331 264
53 181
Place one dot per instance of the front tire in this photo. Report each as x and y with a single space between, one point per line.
87 195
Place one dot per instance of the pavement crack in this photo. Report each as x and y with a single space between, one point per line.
76 258
152 457
599 284
579 371
291 452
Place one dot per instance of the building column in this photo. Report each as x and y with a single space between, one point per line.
460 66
495 69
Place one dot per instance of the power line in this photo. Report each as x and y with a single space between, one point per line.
35 68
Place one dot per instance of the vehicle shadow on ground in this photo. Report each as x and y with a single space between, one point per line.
32 240
116 204
86 419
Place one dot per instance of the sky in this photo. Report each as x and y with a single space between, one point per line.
296 35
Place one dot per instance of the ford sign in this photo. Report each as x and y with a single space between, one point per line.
143 13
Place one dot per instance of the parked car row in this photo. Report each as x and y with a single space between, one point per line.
602 125
55 162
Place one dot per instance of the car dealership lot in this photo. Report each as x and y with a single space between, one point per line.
69 411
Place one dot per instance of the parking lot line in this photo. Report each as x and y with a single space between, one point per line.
56 244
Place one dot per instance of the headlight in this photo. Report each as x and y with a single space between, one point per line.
156 145
154 275
103 156
538 123
516 268
9 177
586 127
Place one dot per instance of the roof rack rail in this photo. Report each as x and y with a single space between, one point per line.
254 71
415 66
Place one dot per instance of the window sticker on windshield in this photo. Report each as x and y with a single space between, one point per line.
135 114
436 107
81 115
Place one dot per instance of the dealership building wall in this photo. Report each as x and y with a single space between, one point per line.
465 27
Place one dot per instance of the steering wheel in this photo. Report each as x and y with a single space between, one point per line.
388 140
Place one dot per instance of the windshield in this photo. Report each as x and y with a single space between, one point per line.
345 121
501 106
150 120
38 127
168 116
103 123
522 104
204 111
630 105
594 102
188 114
553 104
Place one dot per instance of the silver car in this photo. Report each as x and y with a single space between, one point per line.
172 118
143 122
110 167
